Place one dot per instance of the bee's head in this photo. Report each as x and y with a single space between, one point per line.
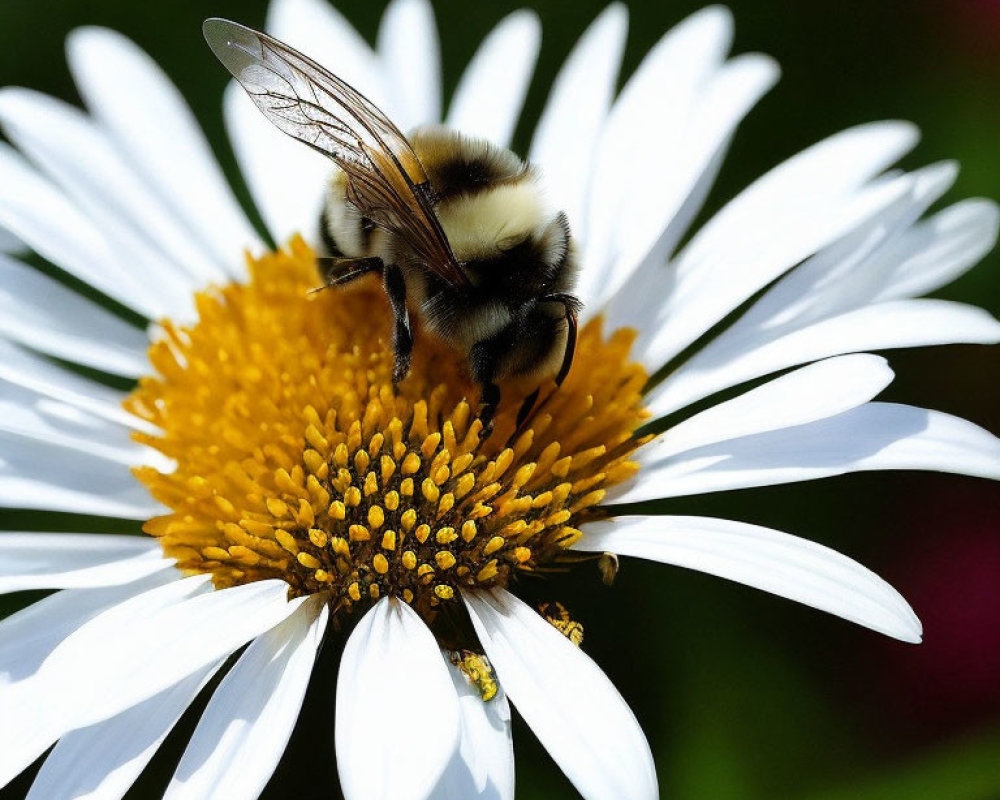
537 337
529 272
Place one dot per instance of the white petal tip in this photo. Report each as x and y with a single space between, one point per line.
991 330
527 20
717 12
768 66
990 220
907 627
945 171
910 632
614 14
904 134
81 40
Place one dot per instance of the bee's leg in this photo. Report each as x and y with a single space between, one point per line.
489 399
402 333
340 271
483 363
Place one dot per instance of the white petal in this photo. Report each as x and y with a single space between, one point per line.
25 369
489 96
42 314
9 243
766 559
49 224
55 477
103 760
138 649
657 102
75 560
853 271
483 767
899 323
790 213
150 122
317 29
850 274
667 201
411 55
30 635
571 124
570 704
811 393
943 247
286 179
390 641
26 732
731 92
39 708
243 731
85 162
875 436
836 166
30 414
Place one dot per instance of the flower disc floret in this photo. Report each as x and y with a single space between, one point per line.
297 458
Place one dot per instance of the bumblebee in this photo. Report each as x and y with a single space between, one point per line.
456 228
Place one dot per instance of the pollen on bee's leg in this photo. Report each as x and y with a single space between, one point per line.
477 671
559 618
297 457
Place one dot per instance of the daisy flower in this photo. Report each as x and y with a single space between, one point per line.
289 492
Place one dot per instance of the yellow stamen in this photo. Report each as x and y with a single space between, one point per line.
408 519
444 559
298 458
445 536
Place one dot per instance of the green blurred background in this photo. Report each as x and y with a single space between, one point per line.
742 695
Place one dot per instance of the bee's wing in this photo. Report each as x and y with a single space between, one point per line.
386 181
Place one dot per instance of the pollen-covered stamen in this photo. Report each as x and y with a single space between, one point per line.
296 457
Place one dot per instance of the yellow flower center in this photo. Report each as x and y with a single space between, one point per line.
297 459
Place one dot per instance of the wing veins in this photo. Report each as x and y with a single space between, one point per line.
386 180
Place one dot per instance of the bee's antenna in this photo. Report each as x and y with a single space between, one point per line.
572 324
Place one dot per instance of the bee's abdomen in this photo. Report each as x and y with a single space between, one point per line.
330 243
345 232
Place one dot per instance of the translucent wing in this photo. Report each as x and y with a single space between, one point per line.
386 181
